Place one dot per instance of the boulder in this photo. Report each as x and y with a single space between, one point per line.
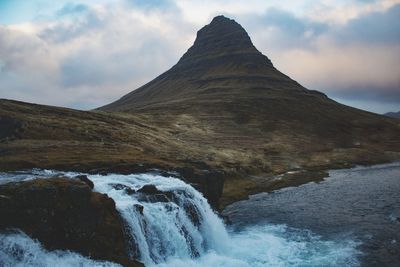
150 193
193 214
209 182
86 180
119 186
149 189
128 190
65 214
139 208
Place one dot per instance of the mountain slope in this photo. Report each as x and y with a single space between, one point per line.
393 114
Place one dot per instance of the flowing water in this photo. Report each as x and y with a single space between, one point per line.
178 227
361 203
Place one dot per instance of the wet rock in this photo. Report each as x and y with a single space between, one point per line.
226 219
65 214
86 180
119 186
164 197
139 208
128 190
192 213
149 189
171 207
150 193
208 182
196 186
190 242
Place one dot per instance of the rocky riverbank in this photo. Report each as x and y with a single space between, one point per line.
66 214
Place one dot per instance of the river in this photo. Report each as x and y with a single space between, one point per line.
350 219
362 204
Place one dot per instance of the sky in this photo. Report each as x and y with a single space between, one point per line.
84 54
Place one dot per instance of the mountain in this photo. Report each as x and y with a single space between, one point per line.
223 108
222 63
227 97
393 114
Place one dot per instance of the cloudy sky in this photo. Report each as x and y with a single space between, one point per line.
83 54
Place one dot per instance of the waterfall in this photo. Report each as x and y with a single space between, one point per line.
173 221
172 225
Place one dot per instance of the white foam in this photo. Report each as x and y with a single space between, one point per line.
269 245
18 250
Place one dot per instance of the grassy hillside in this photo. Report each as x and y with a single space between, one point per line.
59 138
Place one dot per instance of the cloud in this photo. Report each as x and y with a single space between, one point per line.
283 29
359 59
86 55
338 12
71 8
375 27
152 4
90 55
74 21
336 69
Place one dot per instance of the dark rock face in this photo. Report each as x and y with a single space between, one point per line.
222 36
128 190
150 193
139 208
209 183
149 189
86 180
192 213
65 214
119 186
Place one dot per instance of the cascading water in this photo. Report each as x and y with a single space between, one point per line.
173 225
175 222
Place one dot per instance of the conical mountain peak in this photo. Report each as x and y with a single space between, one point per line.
221 36
222 62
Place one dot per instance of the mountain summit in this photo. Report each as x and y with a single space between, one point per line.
223 36
222 61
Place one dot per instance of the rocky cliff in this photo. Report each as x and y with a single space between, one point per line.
65 214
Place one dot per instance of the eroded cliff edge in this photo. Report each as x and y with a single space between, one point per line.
66 214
